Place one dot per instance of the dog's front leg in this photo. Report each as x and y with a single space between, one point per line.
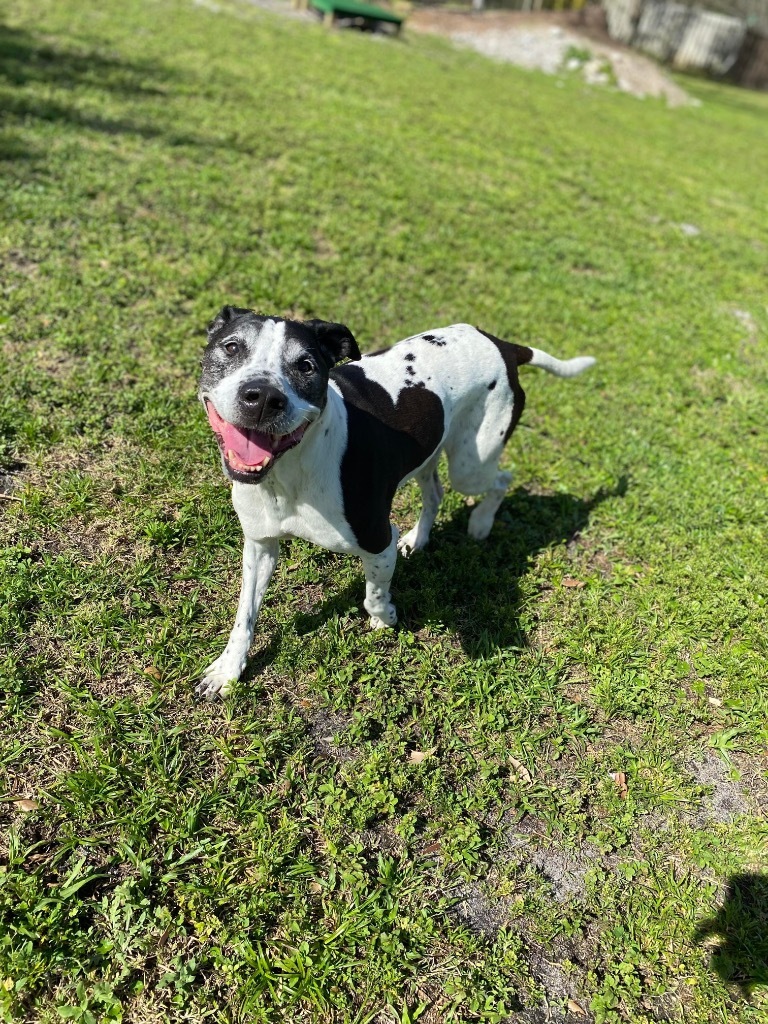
259 560
379 570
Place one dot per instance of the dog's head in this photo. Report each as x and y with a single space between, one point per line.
264 382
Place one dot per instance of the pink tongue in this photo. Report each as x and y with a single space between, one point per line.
249 446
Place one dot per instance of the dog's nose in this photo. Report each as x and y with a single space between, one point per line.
262 399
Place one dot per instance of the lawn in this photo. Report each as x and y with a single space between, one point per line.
541 797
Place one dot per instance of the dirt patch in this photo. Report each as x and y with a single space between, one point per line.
753 769
565 872
17 262
727 800
482 913
323 728
554 42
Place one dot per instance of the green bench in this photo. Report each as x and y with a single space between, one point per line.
368 13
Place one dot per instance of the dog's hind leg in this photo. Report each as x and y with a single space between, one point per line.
379 570
259 560
474 448
471 475
483 515
431 496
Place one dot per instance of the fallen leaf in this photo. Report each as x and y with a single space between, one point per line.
26 805
574 1007
520 770
569 581
315 887
620 780
417 756
715 702
150 670
433 849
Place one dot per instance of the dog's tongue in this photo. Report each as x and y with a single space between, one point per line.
250 447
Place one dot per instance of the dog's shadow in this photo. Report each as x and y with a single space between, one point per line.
472 588
741 955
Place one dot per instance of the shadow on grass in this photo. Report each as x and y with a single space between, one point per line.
741 958
471 588
41 82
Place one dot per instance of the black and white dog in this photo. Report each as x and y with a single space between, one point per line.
317 451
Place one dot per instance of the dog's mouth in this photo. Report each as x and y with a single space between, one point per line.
249 454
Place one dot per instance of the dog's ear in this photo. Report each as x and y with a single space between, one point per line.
224 316
336 341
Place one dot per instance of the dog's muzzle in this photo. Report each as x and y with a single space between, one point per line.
250 453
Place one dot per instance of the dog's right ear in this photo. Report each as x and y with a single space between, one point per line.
224 316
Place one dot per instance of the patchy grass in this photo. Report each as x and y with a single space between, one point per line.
283 856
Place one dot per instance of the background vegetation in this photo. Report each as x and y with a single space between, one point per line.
545 792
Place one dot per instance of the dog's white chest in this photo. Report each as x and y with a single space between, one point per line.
263 514
305 500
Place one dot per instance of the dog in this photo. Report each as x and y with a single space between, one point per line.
317 450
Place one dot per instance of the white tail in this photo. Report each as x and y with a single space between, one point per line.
560 367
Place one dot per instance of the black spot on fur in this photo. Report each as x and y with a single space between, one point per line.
409 357
492 385
512 355
433 340
410 371
386 441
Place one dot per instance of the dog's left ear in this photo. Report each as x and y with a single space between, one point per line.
336 341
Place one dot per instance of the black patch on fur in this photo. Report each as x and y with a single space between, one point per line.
434 340
336 340
386 441
228 325
512 355
410 371
492 385
409 357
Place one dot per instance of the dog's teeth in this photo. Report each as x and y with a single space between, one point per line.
266 462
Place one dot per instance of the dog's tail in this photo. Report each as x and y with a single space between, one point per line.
560 367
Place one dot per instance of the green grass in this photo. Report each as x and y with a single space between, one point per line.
282 857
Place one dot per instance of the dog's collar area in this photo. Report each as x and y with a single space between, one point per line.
248 453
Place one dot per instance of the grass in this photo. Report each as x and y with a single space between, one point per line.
290 855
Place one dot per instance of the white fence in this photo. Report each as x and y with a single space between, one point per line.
687 37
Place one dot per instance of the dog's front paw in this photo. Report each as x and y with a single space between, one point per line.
217 682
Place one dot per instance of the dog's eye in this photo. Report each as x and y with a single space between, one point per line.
307 366
231 348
